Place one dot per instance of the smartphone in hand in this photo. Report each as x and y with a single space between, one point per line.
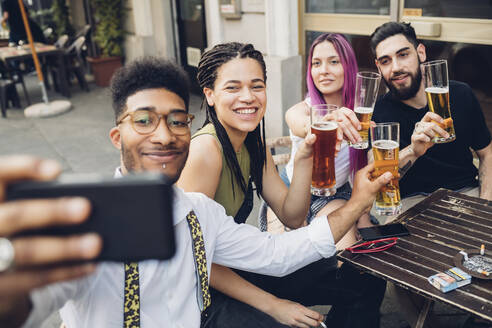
132 214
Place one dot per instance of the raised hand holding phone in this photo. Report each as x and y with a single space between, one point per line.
132 214
32 262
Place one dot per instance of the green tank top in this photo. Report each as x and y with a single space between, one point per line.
224 195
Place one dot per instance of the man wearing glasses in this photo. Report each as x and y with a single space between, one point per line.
150 99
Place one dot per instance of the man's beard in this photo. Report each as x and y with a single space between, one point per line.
130 164
406 93
128 159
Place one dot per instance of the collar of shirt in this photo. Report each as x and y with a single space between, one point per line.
181 207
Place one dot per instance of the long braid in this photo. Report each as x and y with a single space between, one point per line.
255 140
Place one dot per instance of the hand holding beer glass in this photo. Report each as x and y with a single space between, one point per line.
366 91
324 126
385 139
437 90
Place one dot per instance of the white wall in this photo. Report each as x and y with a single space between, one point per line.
150 29
270 25
163 28
250 28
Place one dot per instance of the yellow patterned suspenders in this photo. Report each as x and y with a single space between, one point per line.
131 304
203 293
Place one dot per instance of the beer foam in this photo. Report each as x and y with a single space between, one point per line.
364 110
385 144
437 90
325 126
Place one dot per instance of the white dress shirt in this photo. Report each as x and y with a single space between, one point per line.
168 289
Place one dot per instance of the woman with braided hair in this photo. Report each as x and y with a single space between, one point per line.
233 77
227 155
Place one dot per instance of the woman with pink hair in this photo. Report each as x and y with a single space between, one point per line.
330 76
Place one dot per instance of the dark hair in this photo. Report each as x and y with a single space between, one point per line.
393 28
209 64
148 73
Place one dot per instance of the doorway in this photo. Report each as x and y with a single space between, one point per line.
192 36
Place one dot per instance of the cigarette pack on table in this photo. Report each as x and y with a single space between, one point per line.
450 279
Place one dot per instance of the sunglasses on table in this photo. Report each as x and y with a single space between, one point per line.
373 246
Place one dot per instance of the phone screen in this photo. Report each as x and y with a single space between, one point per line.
384 231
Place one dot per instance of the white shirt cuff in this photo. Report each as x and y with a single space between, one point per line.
38 309
320 234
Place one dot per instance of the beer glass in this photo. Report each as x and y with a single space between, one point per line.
366 91
385 139
437 90
324 126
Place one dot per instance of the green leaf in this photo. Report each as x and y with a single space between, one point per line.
109 34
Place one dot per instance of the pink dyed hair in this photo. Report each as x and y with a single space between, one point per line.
358 158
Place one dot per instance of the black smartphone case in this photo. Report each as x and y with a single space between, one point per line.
383 231
133 214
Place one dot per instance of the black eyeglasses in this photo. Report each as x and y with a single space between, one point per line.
146 121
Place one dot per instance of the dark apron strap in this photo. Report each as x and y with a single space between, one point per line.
247 205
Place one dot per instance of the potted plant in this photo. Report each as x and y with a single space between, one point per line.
61 18
109 37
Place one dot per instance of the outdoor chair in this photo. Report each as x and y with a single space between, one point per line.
74 65
280 148
276 144
15 76
8 91
84 31
61 42
47 32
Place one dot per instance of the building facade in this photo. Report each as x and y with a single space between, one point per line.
459 31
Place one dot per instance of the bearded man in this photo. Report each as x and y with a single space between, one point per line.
425 166
448 165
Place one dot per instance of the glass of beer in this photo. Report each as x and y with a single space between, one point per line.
437 90
366 91
324 126
385 139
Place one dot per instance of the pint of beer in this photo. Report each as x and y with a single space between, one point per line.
385 139
437 90
366 91
324 126
364 115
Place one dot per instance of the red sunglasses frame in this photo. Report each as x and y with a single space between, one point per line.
355 249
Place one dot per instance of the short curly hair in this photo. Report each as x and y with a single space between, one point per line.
148 73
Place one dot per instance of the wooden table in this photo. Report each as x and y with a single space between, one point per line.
10 54
440 226
4 42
